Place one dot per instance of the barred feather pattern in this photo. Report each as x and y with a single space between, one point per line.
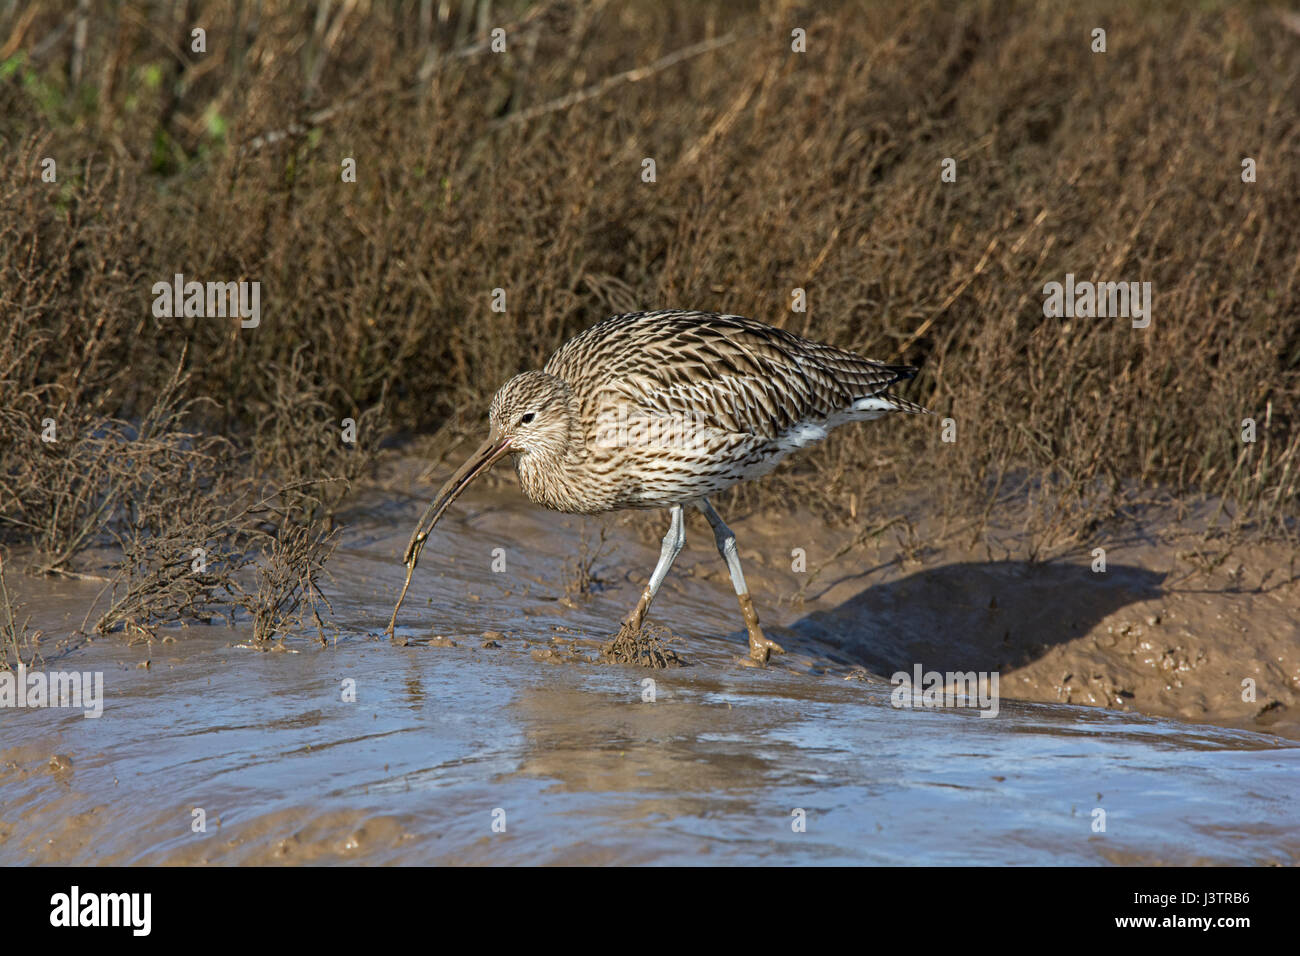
649 409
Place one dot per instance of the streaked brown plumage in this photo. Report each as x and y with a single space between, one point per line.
664 409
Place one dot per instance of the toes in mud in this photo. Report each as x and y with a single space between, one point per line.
646 647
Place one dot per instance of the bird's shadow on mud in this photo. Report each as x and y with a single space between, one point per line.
986 616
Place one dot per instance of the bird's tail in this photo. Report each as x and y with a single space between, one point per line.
903 405
868 382
901 373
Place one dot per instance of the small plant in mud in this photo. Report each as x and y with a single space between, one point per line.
184 552
580 578
860 540
181 555
14 634
911 548
288 582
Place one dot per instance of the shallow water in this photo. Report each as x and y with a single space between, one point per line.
580 767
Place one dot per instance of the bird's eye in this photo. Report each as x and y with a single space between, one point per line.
526 419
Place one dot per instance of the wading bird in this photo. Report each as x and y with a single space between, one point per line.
664 410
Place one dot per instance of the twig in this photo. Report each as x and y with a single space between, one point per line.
627 76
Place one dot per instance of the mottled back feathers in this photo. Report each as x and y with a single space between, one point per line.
724 371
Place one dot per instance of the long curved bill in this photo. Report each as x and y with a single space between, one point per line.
487 455
484 458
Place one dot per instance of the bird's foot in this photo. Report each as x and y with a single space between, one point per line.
761 647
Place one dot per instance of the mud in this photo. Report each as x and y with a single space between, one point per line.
499 734
646 647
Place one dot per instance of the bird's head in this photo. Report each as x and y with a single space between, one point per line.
530 415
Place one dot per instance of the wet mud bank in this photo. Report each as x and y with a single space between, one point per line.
501 734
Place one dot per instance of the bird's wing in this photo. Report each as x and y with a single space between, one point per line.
723 372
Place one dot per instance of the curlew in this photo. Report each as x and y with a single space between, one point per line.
665 410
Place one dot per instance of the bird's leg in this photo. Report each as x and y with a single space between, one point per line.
760 646
673 541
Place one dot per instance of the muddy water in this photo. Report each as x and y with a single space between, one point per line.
443 740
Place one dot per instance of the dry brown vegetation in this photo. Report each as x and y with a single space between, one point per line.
17 639
775 170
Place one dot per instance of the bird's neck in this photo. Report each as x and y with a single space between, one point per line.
556 481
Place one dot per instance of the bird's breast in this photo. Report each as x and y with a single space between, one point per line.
563 485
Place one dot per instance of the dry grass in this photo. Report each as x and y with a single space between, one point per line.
776 171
